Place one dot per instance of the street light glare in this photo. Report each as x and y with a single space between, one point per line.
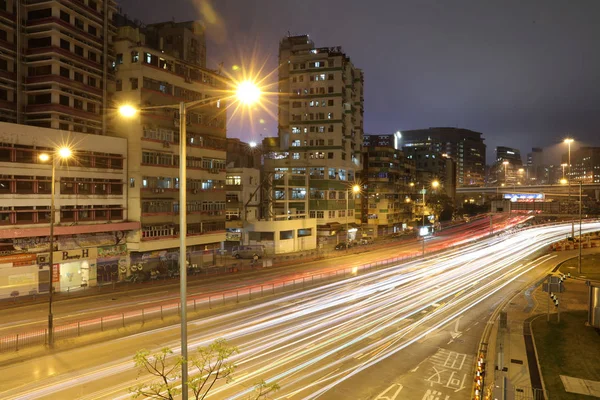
569 140
356 188
44 157
252 144
64 152
435 184
563 181
248 93
127 111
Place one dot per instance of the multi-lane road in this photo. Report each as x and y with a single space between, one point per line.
407 331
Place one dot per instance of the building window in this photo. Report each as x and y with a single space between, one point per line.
78 76
295 156
320 214
134 83
330 156
330 89
64 44
64 16
119 85
79 23
135 56
63 100
79 51
331 214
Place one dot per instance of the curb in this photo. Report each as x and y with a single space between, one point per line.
537 360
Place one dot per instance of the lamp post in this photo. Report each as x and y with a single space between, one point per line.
355 189
580 237
62 153
247 93
568 141
434 185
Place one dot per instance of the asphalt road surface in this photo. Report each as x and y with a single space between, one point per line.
409 331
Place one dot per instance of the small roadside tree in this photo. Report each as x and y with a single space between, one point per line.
211 363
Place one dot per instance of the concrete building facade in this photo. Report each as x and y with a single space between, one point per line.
148 76
585 165
317 153
386 200
91 220
60 54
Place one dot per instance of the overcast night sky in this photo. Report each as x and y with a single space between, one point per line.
525 73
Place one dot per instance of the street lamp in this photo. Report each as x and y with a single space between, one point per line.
568 141
355 189
62 153
247 93
564 181
435 184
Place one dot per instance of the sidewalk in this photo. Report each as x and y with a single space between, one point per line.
512 354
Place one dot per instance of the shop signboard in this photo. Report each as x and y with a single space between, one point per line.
112 251
18 260
56 273
74 255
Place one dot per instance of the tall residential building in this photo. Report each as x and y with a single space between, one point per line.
149 76
464 146
243 188
386 198
56 62
585 165
318 151
91 219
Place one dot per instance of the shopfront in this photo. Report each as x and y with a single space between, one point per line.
74 269
112 263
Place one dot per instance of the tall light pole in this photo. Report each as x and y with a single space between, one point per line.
62 153
247 93
580 237
563 165
568 141
354 189
435 185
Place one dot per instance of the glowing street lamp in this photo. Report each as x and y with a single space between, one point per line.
247 93
568 141
62 153
355 189
563 165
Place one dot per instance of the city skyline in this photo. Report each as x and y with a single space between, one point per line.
491 68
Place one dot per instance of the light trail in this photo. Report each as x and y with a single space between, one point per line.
309 342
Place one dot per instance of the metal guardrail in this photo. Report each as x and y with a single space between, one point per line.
195 303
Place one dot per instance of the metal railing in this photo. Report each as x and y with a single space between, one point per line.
194 304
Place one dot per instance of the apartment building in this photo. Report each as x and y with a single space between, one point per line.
151 76
318 150
91 220
59 53
464 146
387 194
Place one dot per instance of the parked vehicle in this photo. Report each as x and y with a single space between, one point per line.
342 246
365 240
248 251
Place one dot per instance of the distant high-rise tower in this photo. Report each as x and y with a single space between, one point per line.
464 146
320 133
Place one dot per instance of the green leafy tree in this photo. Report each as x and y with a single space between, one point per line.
209 365
162 365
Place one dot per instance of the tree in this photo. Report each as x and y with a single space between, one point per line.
210 364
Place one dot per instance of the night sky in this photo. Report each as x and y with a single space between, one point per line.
525 73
